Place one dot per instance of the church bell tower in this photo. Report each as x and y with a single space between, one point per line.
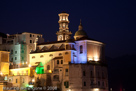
63 33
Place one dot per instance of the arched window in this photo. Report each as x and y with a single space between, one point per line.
48 67
60 54
81 49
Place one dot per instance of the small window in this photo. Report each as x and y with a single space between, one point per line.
30 41
15 52
23 80
66 52
98 83
66 84
81 49
30 35
92 82
33 57
60 54
102 83
57 61
15 58
51 55
91 73
41 56
11 51
83 73
66 70
33 35
48 67
16 80
61 61
66 46
84 83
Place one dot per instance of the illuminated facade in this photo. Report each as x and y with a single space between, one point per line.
72 64
76 64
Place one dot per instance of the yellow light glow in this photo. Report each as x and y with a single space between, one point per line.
96 89
0 73
29 65
49 71
96 58
90 59
33 80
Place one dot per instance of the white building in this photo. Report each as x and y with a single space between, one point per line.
20 45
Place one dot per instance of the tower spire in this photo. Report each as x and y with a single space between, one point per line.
80 27
63 33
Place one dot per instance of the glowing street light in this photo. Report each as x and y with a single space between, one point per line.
29 65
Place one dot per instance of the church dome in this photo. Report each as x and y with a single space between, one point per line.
80 31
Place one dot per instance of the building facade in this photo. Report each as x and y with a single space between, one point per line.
70 64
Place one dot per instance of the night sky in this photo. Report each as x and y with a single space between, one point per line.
110 21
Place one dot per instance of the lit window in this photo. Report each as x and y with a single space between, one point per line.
81 49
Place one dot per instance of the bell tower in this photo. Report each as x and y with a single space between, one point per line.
63 33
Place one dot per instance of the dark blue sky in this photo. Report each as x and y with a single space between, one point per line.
110 21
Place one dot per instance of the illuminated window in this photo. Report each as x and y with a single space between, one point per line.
83 73
81 49
61 61
41 56
63 25
48 67
63 17
84 83
57 61
33 57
